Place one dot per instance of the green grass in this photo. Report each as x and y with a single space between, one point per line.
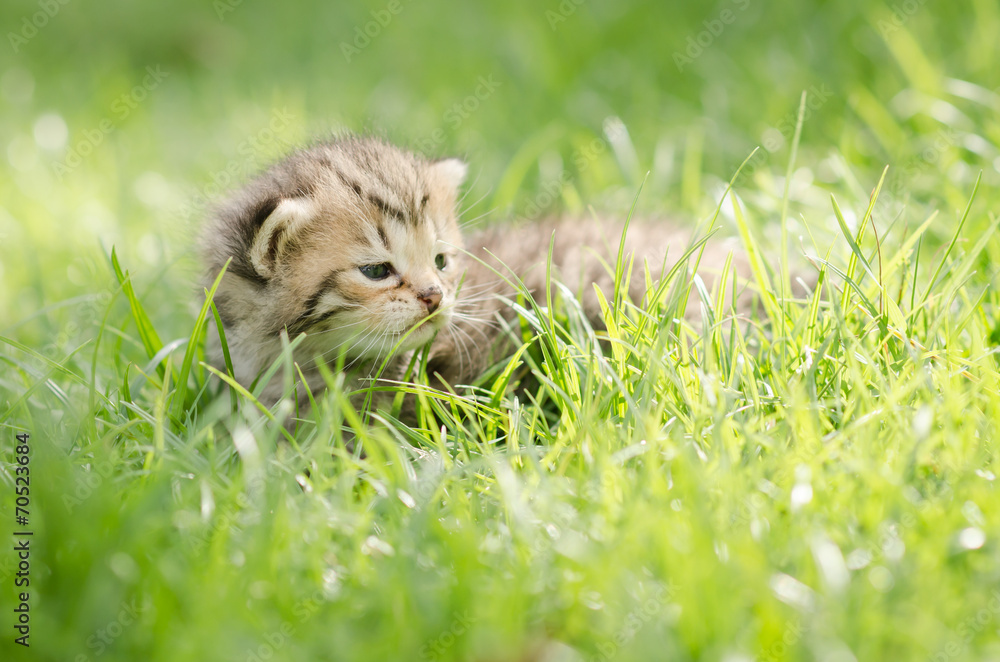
816 481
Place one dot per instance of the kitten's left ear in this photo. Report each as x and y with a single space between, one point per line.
451 172
286 219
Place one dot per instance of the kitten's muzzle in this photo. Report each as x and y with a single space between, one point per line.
431 298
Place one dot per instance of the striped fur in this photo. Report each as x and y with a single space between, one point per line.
301 235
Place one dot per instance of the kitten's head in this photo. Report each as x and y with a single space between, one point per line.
354 242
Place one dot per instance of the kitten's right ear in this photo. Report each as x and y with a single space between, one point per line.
450 172
286 219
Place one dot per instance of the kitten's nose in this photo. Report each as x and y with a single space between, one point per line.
431 297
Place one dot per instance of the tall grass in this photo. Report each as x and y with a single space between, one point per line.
813 479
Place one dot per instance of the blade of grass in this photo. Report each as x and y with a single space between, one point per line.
789 171
227 359
239 388
180 396
954 239
147 333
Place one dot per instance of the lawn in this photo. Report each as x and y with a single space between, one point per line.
814 481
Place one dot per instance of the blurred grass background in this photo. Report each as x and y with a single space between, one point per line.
885 76
525 92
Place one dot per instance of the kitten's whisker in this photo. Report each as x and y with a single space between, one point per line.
357 340
476 323
477 289
478 294
482 333
374 333
463 353
482 299
473 305
494 287
362 356
461 344
472 315
472 222
380 339
468 191
323 355
314 334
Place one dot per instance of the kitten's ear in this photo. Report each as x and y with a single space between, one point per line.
276 229
451 172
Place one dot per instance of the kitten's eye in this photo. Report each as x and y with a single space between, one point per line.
441 261
376 271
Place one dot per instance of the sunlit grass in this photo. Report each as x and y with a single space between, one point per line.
814 478
692 488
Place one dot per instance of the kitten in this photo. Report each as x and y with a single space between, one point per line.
355 242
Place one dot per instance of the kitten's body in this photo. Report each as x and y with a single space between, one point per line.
346 241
